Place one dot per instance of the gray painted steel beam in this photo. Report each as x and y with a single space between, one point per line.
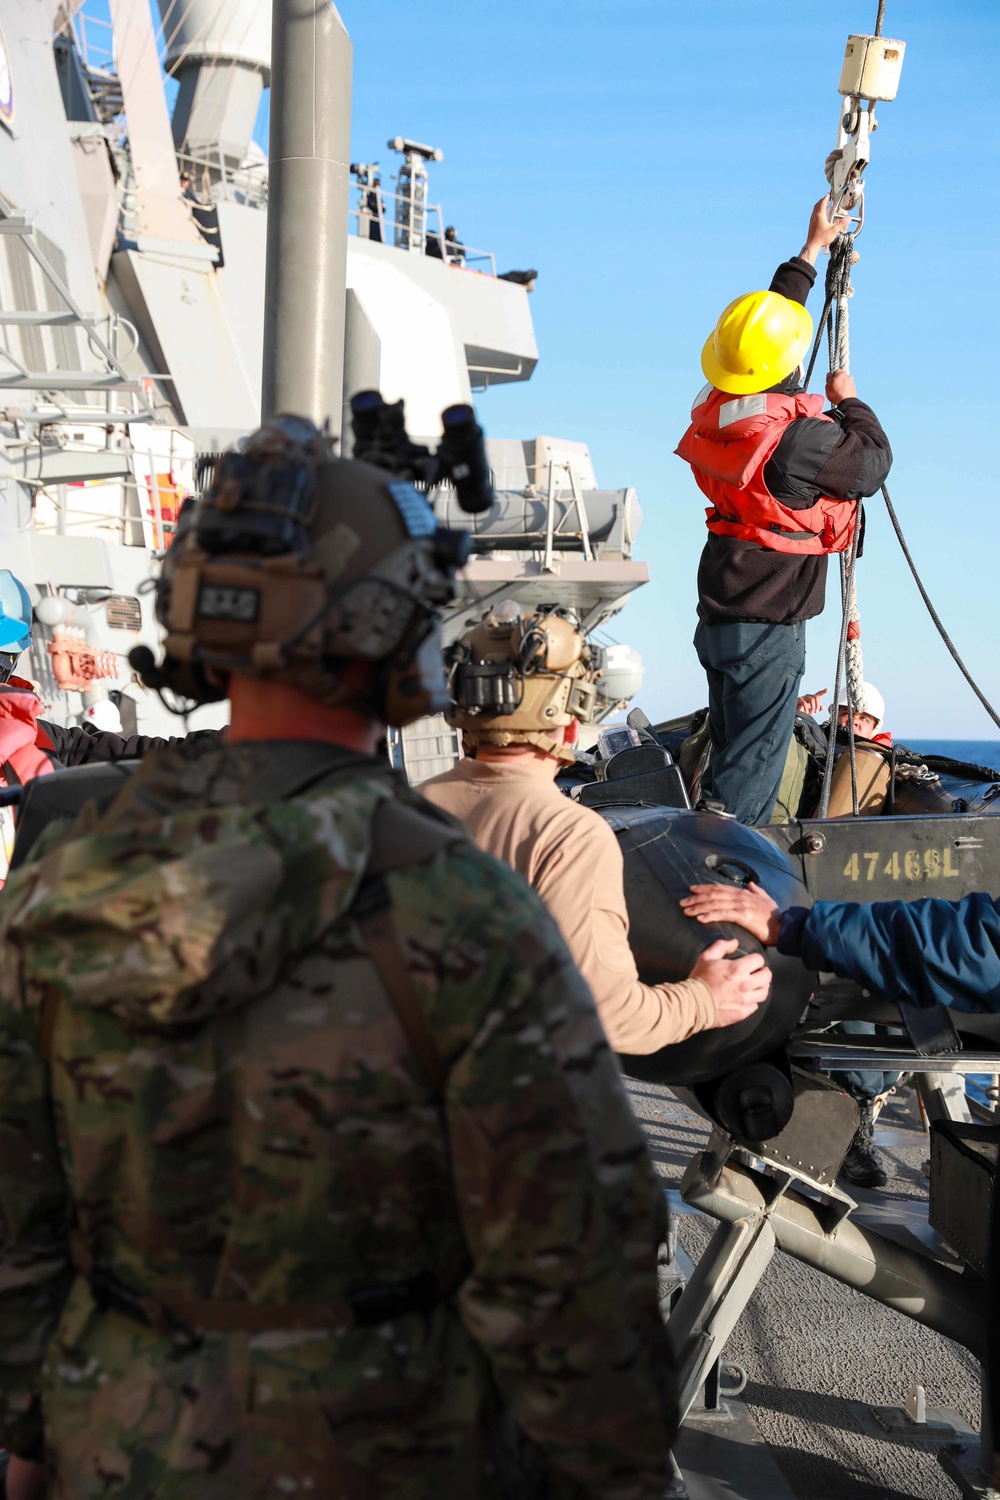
943 1299
37 319
309 178
894 1060
362 363
68 380
713 1301
65 465
76 416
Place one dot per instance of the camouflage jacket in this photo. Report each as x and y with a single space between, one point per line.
224 1105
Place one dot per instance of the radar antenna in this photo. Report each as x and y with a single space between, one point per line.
411 192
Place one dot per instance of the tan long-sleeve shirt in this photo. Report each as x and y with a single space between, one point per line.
571 857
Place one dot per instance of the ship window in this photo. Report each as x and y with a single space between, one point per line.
123 613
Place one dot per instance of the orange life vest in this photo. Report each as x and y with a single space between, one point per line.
729 441
25 749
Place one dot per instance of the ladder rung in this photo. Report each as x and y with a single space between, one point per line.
76 416
34 318
68 380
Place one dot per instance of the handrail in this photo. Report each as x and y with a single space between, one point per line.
210 171
361 218
454 252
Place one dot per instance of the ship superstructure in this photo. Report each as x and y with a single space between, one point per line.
132 275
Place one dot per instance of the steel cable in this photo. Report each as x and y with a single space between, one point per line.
938 623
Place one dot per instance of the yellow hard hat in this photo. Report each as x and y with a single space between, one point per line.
759 339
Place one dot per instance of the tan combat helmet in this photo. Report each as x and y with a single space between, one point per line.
296 563
516 677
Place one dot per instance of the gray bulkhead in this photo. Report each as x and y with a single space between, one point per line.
104 413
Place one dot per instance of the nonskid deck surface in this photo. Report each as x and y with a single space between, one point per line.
812 1348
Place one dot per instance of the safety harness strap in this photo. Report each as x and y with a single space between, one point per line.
401 836
386 954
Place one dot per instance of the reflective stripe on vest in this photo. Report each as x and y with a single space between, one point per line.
728 444
741 407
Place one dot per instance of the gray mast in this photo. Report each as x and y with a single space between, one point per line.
309 178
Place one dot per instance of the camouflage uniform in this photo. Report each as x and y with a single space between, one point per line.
231 1111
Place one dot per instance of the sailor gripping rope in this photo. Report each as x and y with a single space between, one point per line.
785 479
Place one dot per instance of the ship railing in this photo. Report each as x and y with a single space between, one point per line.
95 42
93 39
410 237
112 379
137 512
214 178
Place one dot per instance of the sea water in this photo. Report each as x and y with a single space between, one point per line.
977 752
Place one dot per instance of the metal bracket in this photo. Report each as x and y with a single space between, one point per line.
963 1462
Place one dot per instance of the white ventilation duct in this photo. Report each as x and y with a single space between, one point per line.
220 53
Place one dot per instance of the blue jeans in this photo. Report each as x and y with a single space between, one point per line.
865 1085
753 674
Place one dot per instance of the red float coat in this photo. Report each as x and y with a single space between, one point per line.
25 749
728 443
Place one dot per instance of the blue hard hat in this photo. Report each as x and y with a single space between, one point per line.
15 613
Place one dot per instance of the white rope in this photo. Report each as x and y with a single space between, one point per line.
835 320
840 359
855 660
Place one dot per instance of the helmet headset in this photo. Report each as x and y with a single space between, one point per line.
515 678
296 562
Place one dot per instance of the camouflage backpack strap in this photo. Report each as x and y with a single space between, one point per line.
402 835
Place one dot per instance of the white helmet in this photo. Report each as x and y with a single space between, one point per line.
103 715
871 703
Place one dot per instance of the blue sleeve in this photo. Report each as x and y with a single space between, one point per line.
924 952
793 923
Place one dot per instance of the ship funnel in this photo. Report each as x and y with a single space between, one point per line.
309 179
220 53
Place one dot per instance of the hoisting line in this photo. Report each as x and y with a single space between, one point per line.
850 664
838 288
938 623
849 659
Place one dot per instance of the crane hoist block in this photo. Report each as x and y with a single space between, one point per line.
872 65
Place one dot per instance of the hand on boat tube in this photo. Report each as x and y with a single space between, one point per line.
751 908
738 985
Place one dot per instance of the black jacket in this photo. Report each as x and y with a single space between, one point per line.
847 459
82 747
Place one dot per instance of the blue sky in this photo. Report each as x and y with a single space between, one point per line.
654 159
